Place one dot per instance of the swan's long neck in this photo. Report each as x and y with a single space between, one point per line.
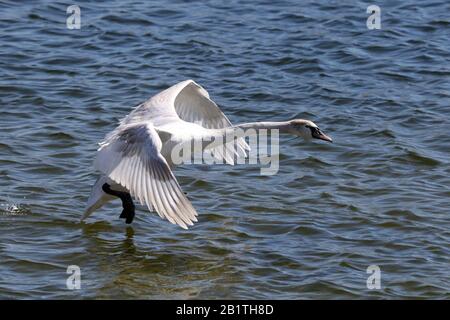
249 129
282 126
242 130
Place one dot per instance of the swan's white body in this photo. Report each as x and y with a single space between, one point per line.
136 156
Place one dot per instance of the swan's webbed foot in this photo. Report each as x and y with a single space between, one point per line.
127 203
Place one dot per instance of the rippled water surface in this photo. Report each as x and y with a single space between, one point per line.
378 195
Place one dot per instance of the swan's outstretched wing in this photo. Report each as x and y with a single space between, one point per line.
193 104
131 156
187 101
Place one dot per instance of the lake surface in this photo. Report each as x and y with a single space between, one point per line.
379 195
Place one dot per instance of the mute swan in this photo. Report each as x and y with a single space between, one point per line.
135 158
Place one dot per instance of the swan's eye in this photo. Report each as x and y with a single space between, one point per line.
314 131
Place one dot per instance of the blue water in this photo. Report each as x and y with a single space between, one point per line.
379 195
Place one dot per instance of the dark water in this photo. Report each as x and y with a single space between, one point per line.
378 195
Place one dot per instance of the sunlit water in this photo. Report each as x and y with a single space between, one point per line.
379 195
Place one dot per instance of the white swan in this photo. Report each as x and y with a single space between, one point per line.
135 158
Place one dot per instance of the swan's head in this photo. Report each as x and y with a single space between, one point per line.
307 130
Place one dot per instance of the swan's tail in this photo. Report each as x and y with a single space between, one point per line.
97 197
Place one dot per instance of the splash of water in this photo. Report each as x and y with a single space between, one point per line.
12 208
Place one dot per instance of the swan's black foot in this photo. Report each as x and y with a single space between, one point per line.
128 210
127 203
